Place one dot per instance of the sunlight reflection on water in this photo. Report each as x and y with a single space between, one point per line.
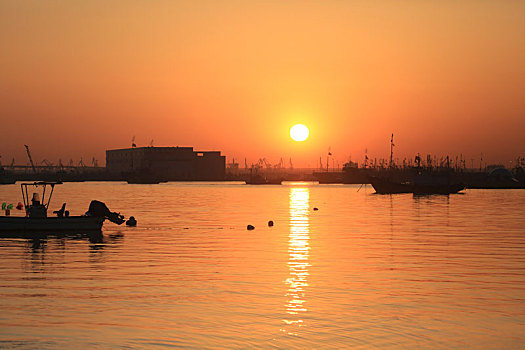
298 249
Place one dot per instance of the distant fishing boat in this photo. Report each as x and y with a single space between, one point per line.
36 218
258 179
7 181
6 178
262 180
142 176
423 181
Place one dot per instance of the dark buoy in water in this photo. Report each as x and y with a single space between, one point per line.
270 223
131 221
316 209
250 227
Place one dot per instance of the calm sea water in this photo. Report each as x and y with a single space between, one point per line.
362 271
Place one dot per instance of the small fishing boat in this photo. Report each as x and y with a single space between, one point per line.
258 179
143 176
36 218
262 180
6 178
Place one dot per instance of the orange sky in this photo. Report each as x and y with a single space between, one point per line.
79 77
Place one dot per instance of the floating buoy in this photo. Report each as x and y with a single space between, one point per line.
316 209
131 221
270 223
250 227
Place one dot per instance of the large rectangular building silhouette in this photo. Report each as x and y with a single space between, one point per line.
167 163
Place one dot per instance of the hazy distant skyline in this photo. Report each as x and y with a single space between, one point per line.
80 77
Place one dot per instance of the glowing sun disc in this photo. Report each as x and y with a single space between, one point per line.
299 132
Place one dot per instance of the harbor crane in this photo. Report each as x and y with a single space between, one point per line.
47 164
30 159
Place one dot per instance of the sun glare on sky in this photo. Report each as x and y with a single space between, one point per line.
299 132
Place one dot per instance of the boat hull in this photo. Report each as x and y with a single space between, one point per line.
385 186
264 183
438 189
56 224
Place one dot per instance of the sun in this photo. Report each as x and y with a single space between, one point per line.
299 132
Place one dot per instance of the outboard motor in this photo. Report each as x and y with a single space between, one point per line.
99 209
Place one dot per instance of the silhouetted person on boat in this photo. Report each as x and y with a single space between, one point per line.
36 209
131 221
61 211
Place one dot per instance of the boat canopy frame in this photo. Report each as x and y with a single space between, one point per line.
25 194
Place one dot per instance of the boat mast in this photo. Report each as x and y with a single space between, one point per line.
328 158
391 150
